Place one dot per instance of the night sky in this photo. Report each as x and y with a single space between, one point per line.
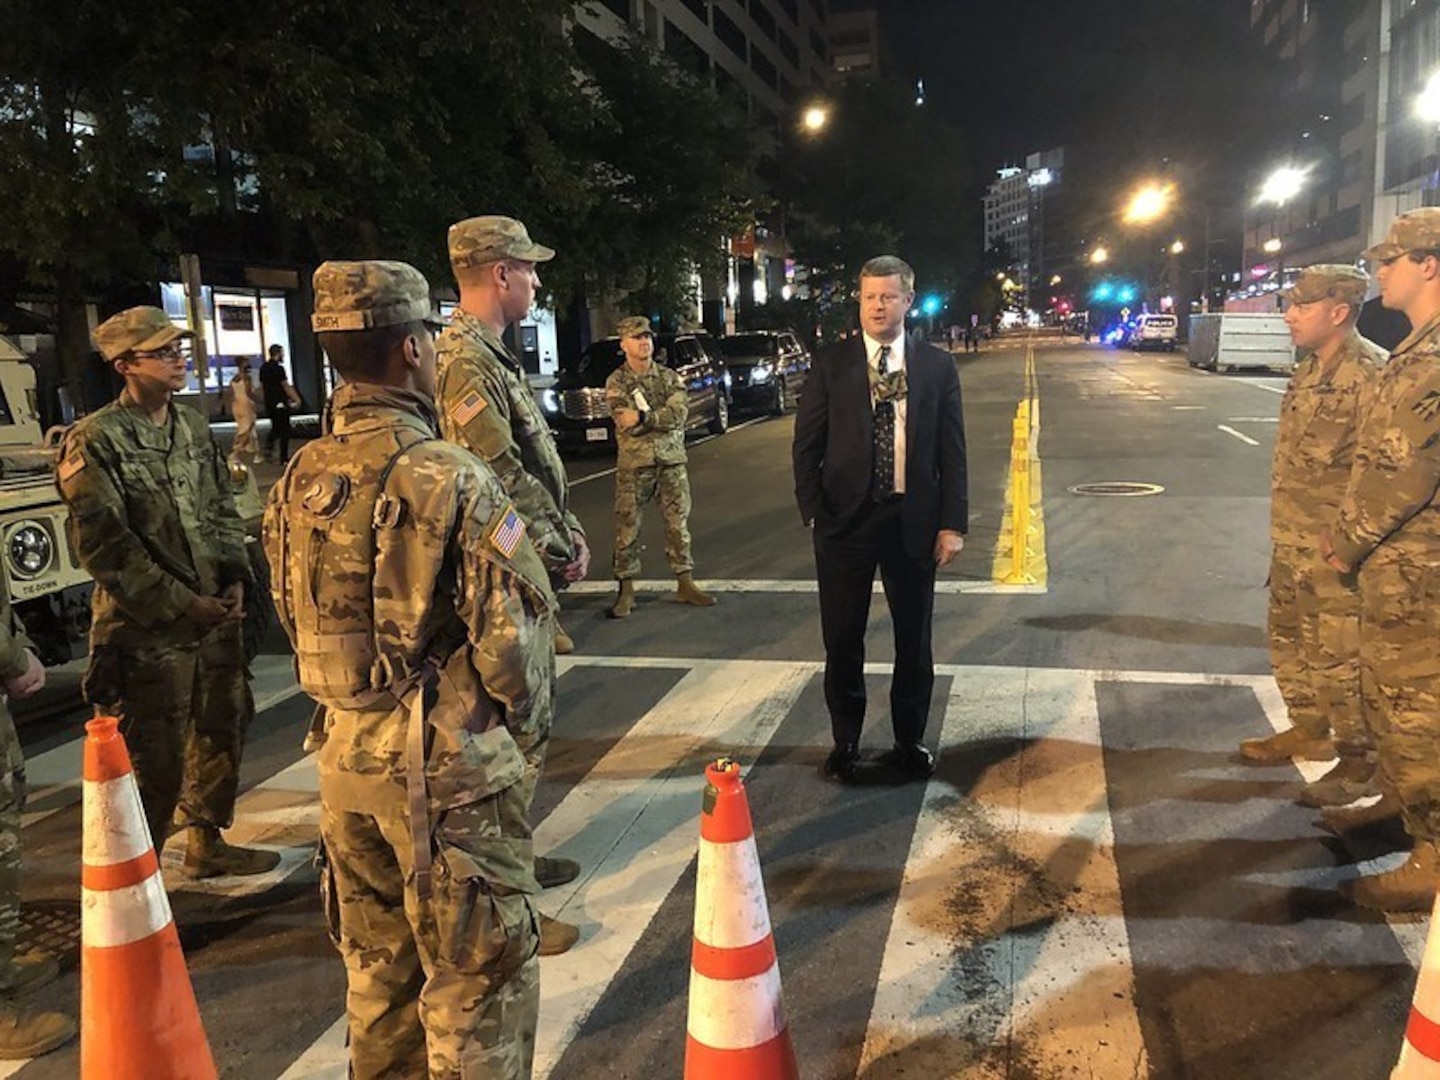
1129 87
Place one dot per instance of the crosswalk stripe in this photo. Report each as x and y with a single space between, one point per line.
635 820
977 886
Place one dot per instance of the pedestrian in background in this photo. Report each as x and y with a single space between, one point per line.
1388 528
1314 618
154 523
649 405
281 400
431 722
879 458
24 1032
487 407
242 409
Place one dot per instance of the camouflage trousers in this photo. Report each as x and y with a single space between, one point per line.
1400 671
184 712
12 806
1315 647
447 987
633 489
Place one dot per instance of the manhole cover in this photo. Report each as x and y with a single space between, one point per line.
1116 487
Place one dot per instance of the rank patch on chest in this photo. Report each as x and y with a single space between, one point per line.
468 407
508 533
70 466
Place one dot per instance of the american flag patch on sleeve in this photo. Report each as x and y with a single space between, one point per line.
468 407
508 532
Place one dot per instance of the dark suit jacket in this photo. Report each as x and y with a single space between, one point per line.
834 443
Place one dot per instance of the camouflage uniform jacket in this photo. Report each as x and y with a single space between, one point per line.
487 407
660 440
1320 418
456 587
1392 496
152 520
13 664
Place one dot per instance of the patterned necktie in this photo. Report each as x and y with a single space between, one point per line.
883 473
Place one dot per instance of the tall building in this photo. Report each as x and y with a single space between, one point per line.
770 51
854 44
1326 127
772 54
1017 203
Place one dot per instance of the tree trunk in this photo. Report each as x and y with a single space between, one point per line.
72 342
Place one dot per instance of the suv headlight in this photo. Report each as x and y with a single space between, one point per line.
30 550
550 401
760 373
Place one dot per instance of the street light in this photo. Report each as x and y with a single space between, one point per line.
1099 255
1283 184
1271 246
815 118
1148 203
1427 105
1177 248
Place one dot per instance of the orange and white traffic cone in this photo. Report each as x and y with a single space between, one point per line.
138 1018
737 1020
1420 1052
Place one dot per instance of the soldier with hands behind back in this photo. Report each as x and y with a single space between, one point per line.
423 622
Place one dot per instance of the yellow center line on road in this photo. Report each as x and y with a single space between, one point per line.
1019 561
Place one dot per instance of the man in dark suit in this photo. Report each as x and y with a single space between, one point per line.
879 460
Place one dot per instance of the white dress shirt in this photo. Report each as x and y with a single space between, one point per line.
895 362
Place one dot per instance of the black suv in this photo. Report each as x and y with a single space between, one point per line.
768 368
576 409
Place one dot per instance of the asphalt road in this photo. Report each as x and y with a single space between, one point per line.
1091 885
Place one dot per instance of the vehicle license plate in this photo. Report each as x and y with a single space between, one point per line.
597 434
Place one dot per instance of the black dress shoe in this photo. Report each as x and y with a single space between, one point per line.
909 761
841 763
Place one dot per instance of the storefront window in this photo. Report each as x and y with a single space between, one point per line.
238 324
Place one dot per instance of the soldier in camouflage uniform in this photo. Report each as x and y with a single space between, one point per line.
1388 527
24 1032
648 403
423 622
486 404
1315 611
153 522
487 407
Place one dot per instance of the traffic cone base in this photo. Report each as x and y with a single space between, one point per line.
736 1024
138 1015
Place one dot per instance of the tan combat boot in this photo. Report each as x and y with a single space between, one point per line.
1342 820
28 1033
556 937
1409 887
624 601
1285 745
687 592
207 855
564 643
1353 778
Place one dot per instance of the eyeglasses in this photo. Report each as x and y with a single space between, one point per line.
165 352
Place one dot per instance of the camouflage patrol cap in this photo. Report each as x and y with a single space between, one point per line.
137 329
1417 230
633 326
480 240
369 295
1332 280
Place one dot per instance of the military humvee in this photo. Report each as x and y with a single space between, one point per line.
47 586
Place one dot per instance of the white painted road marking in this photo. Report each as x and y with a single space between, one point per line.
1243 438
944 586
